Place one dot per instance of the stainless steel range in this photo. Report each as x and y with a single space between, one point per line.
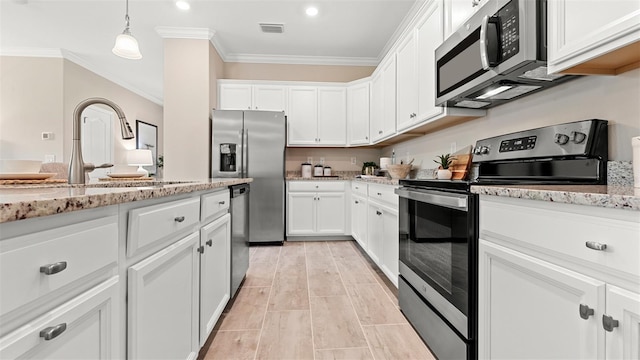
438 224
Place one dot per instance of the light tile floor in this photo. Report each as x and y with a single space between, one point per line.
314 300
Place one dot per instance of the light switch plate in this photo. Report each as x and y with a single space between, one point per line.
310 160
353 161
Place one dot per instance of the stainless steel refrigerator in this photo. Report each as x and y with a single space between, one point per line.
252 144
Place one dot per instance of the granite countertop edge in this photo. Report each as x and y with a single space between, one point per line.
376 180
613 197
27 202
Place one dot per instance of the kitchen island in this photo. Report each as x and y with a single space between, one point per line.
98 270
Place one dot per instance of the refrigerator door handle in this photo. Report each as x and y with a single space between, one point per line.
245 154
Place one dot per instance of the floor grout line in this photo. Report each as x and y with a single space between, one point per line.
264 317
313 340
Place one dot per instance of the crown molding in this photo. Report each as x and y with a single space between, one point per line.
82 62
172 32
300 60
416 9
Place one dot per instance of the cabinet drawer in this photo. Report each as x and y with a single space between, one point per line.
315 186
68 253
214 205
556 228
359 188
383 193
155 223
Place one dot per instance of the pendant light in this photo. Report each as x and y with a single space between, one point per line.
126 45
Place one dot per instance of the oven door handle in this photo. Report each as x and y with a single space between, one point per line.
454 201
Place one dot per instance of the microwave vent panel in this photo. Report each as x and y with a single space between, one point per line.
272 28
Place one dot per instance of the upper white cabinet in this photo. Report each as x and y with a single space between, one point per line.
383 100
358 113
456 12
407 83
429 35
317 116
234 96
593 37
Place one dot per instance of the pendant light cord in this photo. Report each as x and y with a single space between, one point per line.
126 16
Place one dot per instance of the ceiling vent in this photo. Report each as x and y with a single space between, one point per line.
272 28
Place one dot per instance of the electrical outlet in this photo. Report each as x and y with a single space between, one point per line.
453 147
353 161
47 135
49 158
310 160
321 161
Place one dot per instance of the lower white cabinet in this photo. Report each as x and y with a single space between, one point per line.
85 327
316 208
163 303
215 273
383 238
359 220
557 281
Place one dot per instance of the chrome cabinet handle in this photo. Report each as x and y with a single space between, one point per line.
379 194
179 219
380 132
221 202
378 212
53 331
357 202
54 268
366 138
210 242
201 249
596 245
608 323
585 311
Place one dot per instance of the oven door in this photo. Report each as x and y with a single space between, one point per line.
438 236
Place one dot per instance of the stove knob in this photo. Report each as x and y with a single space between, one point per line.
578 137
484 150
561 139
476 151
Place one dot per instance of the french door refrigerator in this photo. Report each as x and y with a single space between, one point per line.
251 144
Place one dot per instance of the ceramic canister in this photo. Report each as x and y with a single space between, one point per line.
326 171
318 170
306 170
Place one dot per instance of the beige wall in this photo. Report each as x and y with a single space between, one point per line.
286 72
186 108
216 71
40 94
80 84
337 159
31 101
612 98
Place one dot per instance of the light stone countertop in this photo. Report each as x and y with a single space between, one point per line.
19 202
611 196
372 180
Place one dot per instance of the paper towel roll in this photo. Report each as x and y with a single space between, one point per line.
635 143
384 161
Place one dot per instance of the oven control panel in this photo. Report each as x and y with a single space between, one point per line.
569 139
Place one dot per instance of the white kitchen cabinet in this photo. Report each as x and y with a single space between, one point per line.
383 100
407 82
163 303
429 35
85 327
316 208
358 113
215 273
383 238
456 12
377 106
593 37
317 116
359 220
243 96
543 267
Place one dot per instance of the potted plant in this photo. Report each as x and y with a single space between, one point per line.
444 161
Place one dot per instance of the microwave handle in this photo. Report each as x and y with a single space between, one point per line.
489 56
484 56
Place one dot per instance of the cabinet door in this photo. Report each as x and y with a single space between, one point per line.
332 115
582 30
376 228
457 11
301 213
529 308
407 83
303 115
215 273
623 342
269 97
389 98
357 210
390 245
235 97
162 305
330 213
377 107
88 325
358 114
429 37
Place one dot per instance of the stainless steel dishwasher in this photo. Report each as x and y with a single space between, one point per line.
239 235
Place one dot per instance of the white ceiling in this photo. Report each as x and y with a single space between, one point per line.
345 32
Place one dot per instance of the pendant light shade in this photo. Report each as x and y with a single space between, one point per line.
126 45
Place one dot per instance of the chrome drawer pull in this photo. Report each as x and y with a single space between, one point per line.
585 311
210 242
221 202
378 213
179 218
55 268
608 323
596 245
53 331
379 194
200 249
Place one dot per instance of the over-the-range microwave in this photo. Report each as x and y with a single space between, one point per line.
496 56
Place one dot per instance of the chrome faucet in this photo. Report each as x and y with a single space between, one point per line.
77 167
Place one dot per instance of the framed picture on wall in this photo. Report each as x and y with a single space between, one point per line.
147 138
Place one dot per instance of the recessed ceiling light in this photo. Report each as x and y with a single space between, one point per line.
312 11
183 5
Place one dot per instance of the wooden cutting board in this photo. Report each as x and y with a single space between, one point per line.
461 165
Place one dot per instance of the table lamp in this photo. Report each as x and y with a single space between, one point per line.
140 158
